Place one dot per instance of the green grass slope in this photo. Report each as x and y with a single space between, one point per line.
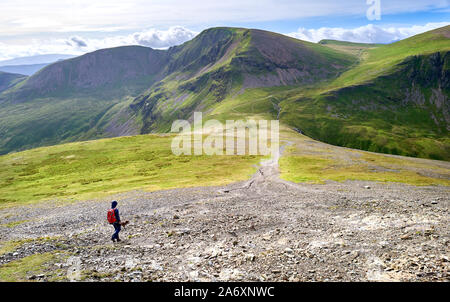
100 167
8 80
306 160
51 121
384 60
395 101
356 49
91 169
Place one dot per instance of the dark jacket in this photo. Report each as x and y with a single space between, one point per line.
116 213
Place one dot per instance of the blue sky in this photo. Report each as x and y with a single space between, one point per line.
29 27
396 20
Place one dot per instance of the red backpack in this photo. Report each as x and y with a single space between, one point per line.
112 216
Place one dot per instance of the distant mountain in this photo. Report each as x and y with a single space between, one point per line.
23 69
106 71
30 65
38 59
386 98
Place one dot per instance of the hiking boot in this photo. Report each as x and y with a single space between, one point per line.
118 240
113 240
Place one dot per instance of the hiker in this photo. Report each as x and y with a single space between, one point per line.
114 219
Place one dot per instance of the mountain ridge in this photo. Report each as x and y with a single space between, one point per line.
239 60
126 92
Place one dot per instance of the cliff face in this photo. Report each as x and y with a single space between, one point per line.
429 78
424 82
433 69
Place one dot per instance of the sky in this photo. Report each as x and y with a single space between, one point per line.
30 27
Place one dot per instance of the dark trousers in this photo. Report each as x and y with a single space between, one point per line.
117 227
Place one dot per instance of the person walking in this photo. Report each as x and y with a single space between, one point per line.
114 219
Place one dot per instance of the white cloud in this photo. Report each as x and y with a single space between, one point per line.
78 45
364 34
26 17
162 39
176 35
91 24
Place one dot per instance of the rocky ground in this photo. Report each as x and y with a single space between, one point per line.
265 229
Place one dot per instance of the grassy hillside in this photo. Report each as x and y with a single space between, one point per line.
395 101
8 80
92 169
384 60
51 121
306 160
356 49
96 168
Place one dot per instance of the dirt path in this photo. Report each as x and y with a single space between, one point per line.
264 229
